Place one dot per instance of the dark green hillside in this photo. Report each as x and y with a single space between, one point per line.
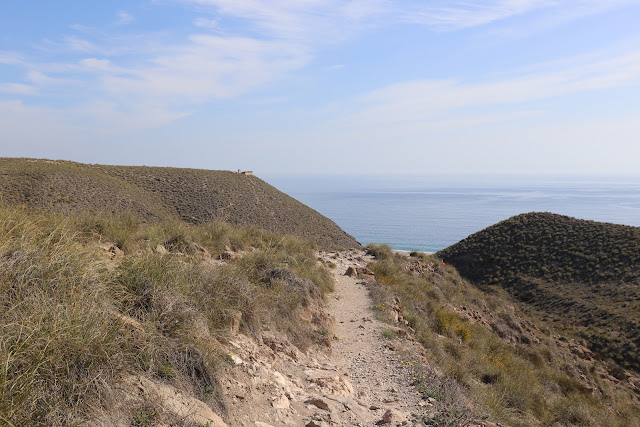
585 275
154 193
551 247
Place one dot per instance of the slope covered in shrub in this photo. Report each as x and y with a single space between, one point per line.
483 350
584 275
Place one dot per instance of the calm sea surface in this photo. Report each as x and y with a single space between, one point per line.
430 213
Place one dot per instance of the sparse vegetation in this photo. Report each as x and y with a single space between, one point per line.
388 334
495 356
154 194
447 409
144 417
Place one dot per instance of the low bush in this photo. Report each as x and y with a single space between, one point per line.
381 252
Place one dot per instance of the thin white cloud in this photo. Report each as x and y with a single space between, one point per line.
98 43
330 20
81 28
38 77
457 15
203 22
208 67
435 100
17 89
96 64
310 20
11 58
556 15
111 118
123 18
269 101
77 44
157 83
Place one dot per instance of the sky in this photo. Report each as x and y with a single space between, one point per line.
325 86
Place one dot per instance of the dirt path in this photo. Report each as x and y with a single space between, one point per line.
362 382
361 352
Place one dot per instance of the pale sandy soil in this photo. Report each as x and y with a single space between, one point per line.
355 384
361 380
375 370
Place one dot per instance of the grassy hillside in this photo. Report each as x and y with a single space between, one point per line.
77 315
584 275
153 193
483 351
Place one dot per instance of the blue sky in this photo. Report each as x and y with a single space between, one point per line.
311 86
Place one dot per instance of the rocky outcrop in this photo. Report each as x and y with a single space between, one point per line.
138 398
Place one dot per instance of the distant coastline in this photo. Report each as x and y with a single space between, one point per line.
430 213
402 251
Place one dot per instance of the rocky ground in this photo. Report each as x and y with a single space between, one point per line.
362 381
363 378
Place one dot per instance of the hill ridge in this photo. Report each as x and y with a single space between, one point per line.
156 193
584 275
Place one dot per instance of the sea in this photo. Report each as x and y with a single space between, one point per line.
430 213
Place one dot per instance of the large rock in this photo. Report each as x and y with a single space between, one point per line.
351 272
112 251
335 385
318 403
169 400
280 402
393 416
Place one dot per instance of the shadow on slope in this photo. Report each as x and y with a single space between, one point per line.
584 275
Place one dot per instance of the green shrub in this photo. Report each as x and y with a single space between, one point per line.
380 252
388 334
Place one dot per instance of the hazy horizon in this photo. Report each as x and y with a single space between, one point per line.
409 182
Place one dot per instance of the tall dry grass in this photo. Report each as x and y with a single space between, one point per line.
58 345
73 321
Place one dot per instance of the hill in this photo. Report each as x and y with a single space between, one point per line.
111 320
155 193
584 275
491 355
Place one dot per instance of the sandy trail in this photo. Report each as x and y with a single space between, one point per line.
360 352
361 382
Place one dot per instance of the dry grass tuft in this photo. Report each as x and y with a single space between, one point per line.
74 321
